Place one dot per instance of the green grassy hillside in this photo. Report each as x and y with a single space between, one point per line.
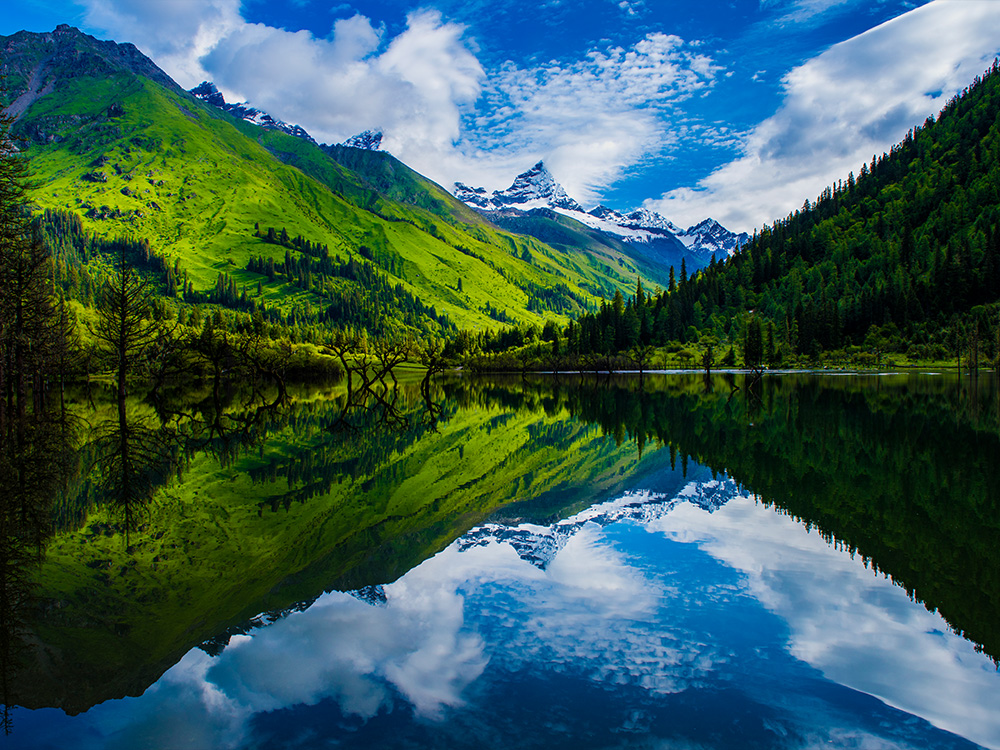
134 155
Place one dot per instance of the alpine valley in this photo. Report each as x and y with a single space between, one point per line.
301 449
249 212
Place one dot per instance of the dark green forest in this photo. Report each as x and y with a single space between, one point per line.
919 507
903 257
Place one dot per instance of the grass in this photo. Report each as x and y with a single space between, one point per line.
196 182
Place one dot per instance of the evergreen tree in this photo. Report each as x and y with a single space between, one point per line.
753 345
124 326
31 336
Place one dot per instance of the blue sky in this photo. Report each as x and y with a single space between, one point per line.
738 109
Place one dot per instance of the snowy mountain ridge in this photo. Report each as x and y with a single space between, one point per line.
537 188
370 140
207 92
538 545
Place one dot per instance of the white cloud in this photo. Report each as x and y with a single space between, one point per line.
175 33
857 627
800 11
413 87
592 118
856 99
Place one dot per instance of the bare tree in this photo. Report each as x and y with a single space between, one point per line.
642 355
391 353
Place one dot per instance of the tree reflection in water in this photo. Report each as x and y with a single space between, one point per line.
36 460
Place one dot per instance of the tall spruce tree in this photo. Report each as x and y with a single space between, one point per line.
31 336
124 326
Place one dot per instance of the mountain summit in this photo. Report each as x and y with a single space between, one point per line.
370 140
537 190
36 65
207 92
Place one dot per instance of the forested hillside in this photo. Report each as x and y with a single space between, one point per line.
903 257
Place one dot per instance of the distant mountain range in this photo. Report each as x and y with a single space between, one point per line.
537 190
656 239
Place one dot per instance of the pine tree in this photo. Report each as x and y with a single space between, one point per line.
31 337
124 328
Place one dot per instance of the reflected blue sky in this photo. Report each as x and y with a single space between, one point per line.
693 617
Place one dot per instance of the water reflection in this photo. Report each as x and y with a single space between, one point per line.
686 599
36 462
668 617
858 629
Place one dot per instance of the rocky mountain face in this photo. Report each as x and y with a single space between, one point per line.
537 190
370 140
208 93
710 236
34 65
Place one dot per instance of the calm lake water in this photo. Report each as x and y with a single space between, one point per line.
674 562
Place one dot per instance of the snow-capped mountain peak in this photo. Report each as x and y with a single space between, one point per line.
538 189
534 186
608 214
370 140
207 92
711 235
642 218
475 197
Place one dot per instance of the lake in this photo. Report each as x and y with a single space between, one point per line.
674 561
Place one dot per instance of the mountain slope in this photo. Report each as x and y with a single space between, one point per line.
114 139
646 235
565 233
904 256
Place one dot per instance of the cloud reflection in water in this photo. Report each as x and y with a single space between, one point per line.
737 628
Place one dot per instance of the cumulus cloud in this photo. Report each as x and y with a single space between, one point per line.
413 87
592 118
852 101
175 33
858 628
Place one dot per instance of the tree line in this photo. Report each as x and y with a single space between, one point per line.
903 258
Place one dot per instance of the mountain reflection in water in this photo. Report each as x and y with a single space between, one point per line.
670 603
